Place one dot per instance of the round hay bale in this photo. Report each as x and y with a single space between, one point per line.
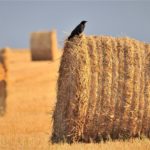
44 45
103 90
5 53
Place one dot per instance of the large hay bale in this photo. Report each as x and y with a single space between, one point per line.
43 45
2 84
103 90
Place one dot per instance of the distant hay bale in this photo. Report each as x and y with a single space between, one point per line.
103 90
43 45
5 54
2 84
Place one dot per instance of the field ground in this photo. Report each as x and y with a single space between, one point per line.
31 98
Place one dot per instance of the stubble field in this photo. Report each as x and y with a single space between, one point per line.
31 97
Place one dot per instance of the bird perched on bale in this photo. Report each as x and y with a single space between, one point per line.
78 29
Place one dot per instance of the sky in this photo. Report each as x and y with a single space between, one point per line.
116 18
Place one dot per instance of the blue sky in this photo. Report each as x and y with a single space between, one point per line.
19 18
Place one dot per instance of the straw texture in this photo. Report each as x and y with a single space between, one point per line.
103 90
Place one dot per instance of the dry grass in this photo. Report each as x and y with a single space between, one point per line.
40 142
99 85
30 104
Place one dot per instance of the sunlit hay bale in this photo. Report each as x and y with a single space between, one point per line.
43 45
98 73
128 87
134 104
5 54
142 87
103 90
118 78
146 111
93 86
70 112
2 85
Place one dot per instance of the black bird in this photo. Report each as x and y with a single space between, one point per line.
78 29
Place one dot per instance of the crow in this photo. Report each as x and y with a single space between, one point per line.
78 29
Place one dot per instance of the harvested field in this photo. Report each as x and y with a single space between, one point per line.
28 86
27 122
103 90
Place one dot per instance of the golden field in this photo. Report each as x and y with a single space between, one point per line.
31 97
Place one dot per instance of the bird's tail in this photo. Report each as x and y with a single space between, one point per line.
69 37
